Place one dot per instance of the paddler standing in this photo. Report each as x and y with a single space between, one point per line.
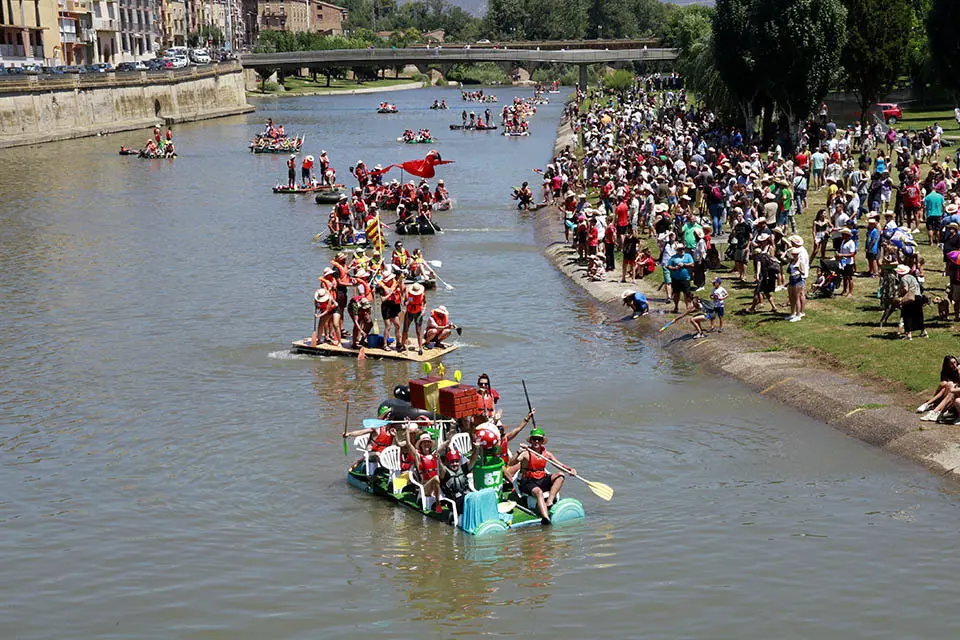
534 478
413 314
306 171
292 171
360 173
359 309
339 264
391 293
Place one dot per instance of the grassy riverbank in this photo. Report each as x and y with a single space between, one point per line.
844 331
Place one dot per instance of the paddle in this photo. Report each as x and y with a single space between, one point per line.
599 489
529 408
376 423
346 420
316 325
684 314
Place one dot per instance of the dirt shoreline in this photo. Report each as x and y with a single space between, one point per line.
870 410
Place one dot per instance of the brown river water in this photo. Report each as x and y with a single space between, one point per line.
169 470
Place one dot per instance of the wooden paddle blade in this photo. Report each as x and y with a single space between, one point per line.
601 490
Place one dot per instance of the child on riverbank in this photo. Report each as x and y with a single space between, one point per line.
718 295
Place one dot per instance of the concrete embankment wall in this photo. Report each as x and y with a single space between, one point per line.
34 110
873 411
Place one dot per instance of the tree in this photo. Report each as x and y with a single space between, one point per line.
878 33
687 25
611 19
734 57
620 81
943 27
504 17
800 42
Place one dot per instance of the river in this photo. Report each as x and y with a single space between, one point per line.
169 470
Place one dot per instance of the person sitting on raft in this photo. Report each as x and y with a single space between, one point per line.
419 270
439 327
400 258
534 479
455 473
380 437
637 302
427 465
440 194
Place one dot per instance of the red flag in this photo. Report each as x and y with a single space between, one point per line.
421 168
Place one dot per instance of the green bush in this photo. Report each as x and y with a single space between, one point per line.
270 87
479 73
620 80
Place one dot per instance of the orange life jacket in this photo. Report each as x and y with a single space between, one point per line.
438 318
343 278
415 303
428 467
381 440
536 466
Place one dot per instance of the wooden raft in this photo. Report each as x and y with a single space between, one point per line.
303 346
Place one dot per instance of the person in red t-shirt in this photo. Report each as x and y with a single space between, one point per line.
593 238
622 214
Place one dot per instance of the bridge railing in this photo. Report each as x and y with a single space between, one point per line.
389 57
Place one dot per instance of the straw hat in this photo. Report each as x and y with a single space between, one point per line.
845 232
629 293
902 270
321 295
310 158
442 309
952 208
363 273
415 289
795 240
794 252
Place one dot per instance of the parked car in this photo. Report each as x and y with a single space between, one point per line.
15 71
3 71
179 62
200 56
483 41
159 64
31 69
51 71
892 113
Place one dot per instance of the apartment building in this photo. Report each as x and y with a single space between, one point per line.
76 32
328 18
137 32
29 32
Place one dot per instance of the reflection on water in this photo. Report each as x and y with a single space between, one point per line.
170 470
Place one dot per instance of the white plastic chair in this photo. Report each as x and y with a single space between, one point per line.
461 444
389 459
360 443
425 501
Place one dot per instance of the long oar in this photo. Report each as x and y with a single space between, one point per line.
346 421
438 264
529 408
683 315
599 489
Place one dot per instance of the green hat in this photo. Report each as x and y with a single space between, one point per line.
382 411
537 432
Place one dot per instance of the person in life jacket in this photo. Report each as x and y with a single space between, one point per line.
280 132
413 305
306 170
380 437
439 327
400 258
360 173
391 295
359 309
419 269
428 468
292 171
535 480
440 193
327 317
489 397
424 194
455 472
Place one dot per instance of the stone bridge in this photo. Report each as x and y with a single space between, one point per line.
444 58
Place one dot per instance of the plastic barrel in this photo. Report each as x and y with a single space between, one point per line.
488 474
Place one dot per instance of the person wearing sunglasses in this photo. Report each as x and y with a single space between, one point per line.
534 478
488 396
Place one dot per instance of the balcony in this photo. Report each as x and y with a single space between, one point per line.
68 38
16 51
105 24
